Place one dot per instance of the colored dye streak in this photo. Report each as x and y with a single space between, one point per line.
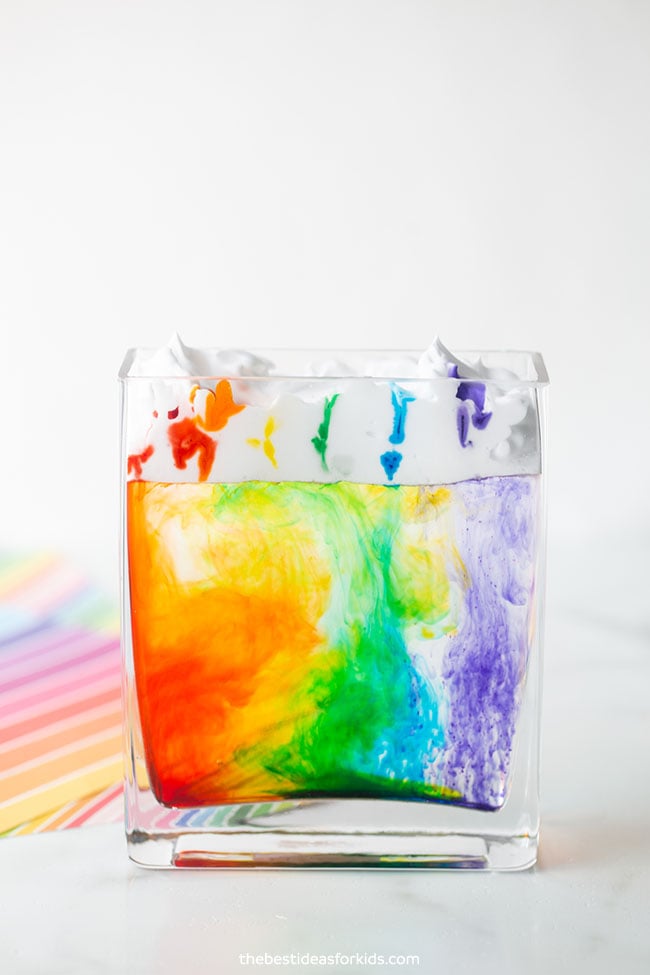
330 640
135 461
266 444
472 392
400 400
219 407
321 438
390 461
186 440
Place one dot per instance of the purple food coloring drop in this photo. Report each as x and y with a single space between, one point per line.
462 423
475 393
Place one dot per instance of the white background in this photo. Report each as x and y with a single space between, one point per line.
343 173
328 173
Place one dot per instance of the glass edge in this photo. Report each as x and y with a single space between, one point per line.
536 359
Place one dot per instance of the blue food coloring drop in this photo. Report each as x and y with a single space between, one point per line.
400 400
390 461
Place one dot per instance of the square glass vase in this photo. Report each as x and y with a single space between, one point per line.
332 611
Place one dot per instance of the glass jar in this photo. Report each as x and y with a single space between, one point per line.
333 592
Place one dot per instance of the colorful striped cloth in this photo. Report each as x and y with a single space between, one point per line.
60 721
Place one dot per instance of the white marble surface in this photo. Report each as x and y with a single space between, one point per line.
71 902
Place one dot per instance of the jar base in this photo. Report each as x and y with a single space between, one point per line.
273 849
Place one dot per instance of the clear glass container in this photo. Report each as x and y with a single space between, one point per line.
332 608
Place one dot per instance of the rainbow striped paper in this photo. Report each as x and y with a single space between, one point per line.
60 714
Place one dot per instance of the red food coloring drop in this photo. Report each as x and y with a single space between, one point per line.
172 414
135 461
186 440
155 413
